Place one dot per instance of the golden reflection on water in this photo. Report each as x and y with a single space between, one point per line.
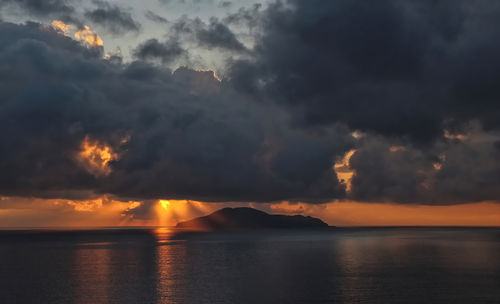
171 262
351 261
168 265
163 233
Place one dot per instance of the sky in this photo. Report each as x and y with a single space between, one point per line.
150 112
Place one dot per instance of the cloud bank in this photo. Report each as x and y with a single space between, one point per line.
75 122
408 89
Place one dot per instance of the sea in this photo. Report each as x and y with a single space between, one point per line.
165 265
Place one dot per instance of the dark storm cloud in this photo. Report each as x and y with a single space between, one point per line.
154 49
402 71
191 136
450 171
407 74
382 174
112 17
398 68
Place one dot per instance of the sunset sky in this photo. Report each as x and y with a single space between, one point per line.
361 113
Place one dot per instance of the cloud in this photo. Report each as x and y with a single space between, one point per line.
225 4
151 133
42 8
50 9
408 89
397 68
215 34
153 49
89 37
155 17
450 171
83 34
219 35
249 17
113 18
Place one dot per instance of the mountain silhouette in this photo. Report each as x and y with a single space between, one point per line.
249 218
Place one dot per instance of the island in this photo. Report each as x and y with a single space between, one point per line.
244 218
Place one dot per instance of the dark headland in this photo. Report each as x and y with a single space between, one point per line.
249 218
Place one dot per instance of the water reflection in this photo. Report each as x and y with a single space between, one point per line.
420 266
171 285
171 266
91 271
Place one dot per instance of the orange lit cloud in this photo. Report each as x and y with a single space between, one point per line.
456 136
95 157
210 73
343 171
85 35
88 36
109 55
63 27
394 149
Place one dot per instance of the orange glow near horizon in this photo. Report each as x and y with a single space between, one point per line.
103 211
380 214
34 212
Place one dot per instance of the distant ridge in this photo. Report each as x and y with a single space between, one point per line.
249 218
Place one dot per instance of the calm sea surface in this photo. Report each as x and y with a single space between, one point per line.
348 265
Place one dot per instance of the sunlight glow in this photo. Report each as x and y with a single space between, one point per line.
95 157
394 149
343 170
61 26
455 136
85 35
439 165
170 212
164 204
88 36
